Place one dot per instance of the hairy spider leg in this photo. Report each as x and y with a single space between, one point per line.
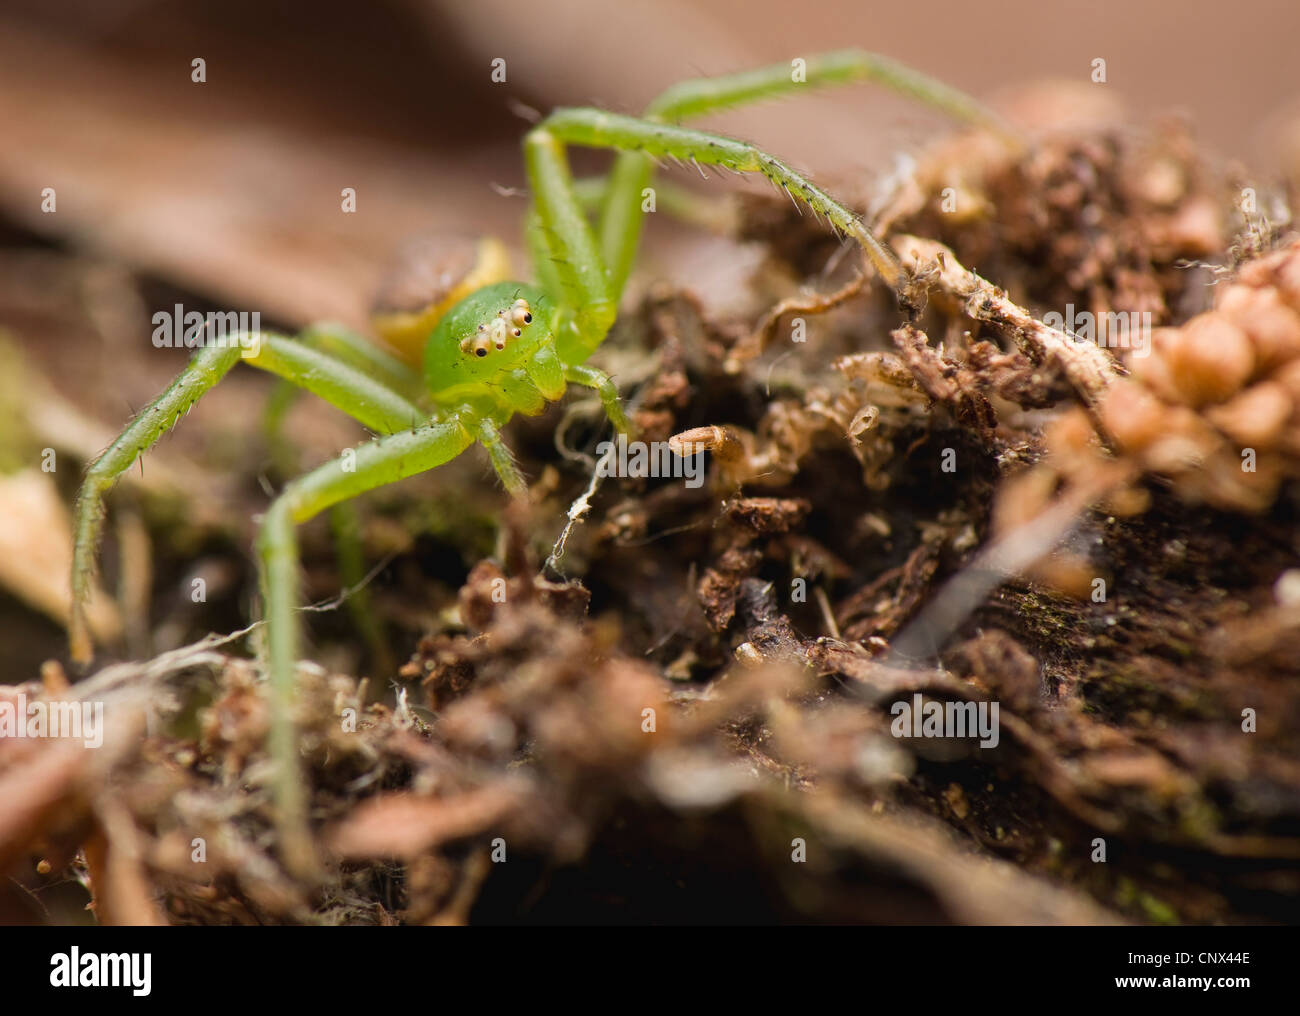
595 128
564 234
347 347
603 385
368 401
413 445
363 354
622 217
374 464
503 460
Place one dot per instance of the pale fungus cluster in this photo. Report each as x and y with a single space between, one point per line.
1214 408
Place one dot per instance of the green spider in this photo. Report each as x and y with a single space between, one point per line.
503 348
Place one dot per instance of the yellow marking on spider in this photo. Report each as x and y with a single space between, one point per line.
407 332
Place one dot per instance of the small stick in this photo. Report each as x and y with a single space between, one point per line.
1086 366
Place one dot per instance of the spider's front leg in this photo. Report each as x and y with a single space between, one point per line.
361 396
621 216
569 261
566 253
361 354
598 129
566 249
366 399
568 256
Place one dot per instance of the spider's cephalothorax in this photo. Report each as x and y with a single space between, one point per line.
494 350
491 348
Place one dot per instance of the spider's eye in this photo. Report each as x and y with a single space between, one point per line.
480 351
528 319
516 333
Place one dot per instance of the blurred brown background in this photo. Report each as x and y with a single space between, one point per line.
231 188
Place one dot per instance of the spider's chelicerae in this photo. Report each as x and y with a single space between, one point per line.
505 347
